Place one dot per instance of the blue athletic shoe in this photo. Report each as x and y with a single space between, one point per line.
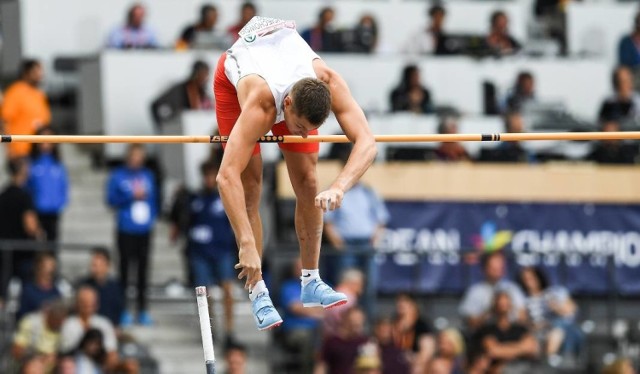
265 313
318 293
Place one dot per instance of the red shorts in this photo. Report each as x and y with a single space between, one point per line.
228 111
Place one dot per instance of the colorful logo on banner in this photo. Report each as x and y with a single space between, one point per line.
490 239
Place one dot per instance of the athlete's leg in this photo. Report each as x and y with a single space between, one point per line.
252 184
308 218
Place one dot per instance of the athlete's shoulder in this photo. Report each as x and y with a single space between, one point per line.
323 71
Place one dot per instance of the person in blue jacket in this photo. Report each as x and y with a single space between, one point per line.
48 185
629 46
210 243
131 192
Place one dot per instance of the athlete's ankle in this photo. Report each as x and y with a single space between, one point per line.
256 290
309 275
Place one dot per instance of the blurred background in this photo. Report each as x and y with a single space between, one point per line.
458 257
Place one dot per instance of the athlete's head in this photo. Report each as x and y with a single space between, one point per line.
307 106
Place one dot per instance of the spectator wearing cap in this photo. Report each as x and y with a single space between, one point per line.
629 46
25 107
134 34
247 11
110 293
624 104
499 41
204 34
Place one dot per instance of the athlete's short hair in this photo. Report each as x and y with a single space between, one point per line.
311 100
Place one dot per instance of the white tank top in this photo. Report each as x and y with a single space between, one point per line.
274 50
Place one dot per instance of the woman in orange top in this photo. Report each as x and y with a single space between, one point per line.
25 108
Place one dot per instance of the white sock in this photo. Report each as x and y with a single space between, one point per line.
259 288
309 275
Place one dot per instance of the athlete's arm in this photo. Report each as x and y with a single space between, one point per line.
354 124
256 118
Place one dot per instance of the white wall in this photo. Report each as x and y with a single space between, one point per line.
131 80
596 28
78 27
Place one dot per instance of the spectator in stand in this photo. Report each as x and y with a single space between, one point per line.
363 38
134 34
339 352
624 104
629 47
191 94
508 344
235 356
612 151
412 333
247 11
410 95
355 230
204 35
450 351
75 327
450 151
110 294
301 325
552 313
322 37
521 94
394 359
352 285
509 151
48 184
42 287
211 247
18 221
476 305
39 333
25 108
131 192
499 42
91 355
430 40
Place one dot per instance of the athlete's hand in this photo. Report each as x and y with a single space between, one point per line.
251 266
330 199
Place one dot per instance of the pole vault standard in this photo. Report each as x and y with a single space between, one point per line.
406 138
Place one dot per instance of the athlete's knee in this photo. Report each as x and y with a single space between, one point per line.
306 182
